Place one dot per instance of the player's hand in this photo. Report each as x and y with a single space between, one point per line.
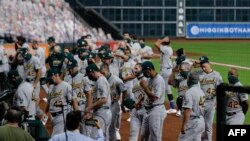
138 106
98 126
183 130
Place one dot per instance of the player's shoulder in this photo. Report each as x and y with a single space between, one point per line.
25 86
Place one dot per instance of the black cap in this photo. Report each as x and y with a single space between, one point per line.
72 63
13 74
51 72
147 65
91 68
51 39
204 59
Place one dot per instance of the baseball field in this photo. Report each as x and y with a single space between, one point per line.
222 53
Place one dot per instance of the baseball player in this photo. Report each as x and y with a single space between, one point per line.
60 96
138 111
101 100
81 58
209 80
146 52
154 88
193 110
134 46
23 97
117 88
237 103
113 63
56 59
166 68
4 68
40 54
32 70
178 79
52 43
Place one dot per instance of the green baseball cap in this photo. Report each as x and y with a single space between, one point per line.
106 55
104 48
81 43
179 60
91 68
51 72
81 50
91 55
51 39
23 50
147 65
204 59
72 63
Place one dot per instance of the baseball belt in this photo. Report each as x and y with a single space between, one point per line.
152 106
231 113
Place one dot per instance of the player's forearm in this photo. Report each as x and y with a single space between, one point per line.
150 95
186 117
89 99
75 104
98 104
244 106
38 76
130 77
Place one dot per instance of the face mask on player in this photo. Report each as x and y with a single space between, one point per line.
184 74
92 78
146 74
84 57
232 79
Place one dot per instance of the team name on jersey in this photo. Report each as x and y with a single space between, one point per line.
230 94
77 85
182 88
137 88
27 66
205 81
56 62
56 94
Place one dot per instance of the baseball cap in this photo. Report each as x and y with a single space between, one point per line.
204 59
13 74
91 55
91 68
81 50
51 39
147 65
51 72
81 43
106 55
72 63
180 59
23 50
104 48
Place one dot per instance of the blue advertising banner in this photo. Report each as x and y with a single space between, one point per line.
218 30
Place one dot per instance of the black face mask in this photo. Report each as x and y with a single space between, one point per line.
184 74
142 45
50 81
92 78
90 62
145 74
232 79
83 57
16 83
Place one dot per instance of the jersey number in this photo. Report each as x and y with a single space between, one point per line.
81 95
58 103
202 101
211 91
233 104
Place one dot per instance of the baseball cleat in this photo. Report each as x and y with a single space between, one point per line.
178 114
171 111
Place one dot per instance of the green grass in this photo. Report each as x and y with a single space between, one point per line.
234 53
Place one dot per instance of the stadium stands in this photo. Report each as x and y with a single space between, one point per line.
39 19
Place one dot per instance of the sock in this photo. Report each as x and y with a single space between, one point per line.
172 104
